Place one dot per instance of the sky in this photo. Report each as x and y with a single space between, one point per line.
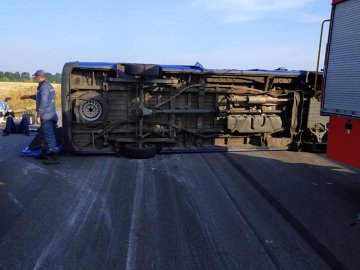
240 34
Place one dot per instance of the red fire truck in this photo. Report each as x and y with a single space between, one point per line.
341 92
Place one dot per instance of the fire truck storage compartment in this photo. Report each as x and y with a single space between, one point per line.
342 78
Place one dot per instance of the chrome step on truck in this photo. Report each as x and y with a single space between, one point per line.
142 109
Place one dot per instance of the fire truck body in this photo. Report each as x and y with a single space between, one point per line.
341 94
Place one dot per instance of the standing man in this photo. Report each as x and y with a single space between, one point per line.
46 117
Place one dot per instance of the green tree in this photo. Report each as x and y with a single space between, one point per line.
8 75
57 78
17 77
25 77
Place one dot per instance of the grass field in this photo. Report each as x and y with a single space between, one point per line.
16 89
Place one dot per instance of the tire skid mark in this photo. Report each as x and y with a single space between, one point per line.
164 169
89 194
267 250
329 258
191 257
135 218
17 203
84 202
179 221
50 248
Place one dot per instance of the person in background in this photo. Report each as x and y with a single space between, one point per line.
4 109
12 127
46 117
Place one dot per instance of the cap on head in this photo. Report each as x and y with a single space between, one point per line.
39 72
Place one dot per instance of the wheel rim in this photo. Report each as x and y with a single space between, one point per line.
91 110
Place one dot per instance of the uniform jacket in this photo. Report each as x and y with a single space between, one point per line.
45 101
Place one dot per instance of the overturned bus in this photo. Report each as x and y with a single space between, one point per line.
143 109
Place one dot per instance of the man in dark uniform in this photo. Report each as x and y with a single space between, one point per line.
46 117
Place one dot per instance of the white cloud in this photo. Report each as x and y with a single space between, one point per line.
248 10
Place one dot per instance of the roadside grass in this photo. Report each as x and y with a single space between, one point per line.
17 89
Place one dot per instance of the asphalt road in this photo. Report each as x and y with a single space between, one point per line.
249 210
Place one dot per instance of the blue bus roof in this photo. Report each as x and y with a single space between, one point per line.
197 68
